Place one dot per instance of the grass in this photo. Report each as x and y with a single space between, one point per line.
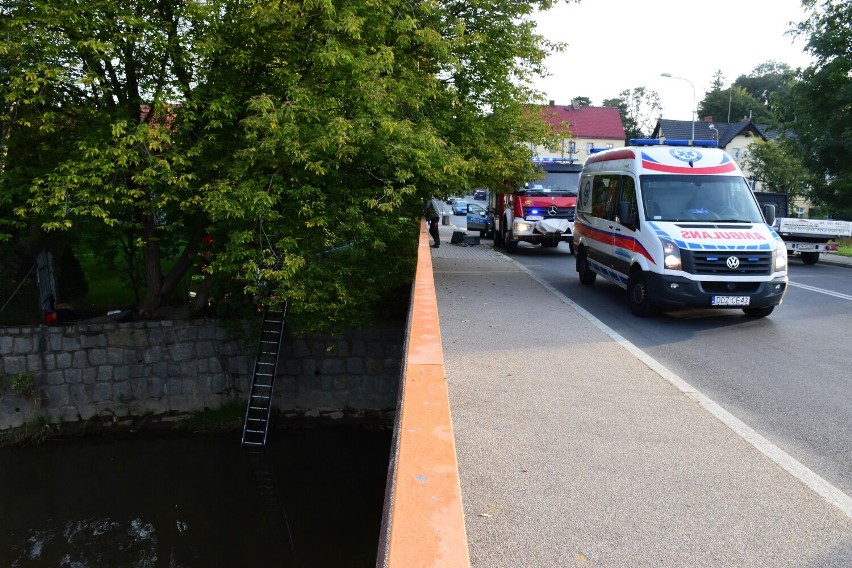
845 247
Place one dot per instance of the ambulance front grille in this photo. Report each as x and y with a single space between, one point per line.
716 262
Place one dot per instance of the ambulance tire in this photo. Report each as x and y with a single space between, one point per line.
637 295
758 312
810 257
587 275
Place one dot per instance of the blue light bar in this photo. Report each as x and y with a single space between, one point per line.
554 160
672 142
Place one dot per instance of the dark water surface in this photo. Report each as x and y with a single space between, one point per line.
313 498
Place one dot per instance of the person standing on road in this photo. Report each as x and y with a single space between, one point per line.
432 212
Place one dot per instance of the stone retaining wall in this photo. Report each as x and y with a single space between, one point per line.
177 367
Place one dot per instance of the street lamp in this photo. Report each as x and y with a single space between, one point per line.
670 76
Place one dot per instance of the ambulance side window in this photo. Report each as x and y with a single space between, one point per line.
605 196
628 195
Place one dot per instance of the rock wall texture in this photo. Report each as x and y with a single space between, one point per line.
77 372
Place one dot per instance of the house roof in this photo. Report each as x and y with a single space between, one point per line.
586 121
682 130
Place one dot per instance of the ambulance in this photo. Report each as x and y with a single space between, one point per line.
675 224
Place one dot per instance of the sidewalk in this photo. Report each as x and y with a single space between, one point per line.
573 451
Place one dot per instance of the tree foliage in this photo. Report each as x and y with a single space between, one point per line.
758 96
821 103
639 109
301 137
779 166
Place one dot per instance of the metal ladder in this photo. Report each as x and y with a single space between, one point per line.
259 406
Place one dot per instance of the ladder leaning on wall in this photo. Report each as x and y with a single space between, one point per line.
259 408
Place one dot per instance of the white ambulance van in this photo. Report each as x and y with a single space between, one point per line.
676 225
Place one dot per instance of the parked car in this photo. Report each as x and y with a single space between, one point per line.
480 219
480 195
450 200
460 207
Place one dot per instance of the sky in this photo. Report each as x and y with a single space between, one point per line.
617 45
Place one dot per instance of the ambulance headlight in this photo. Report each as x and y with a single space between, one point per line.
671 255
780 258
522 227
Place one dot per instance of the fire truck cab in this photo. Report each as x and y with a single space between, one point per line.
540 212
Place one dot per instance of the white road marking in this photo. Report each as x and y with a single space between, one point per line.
821 291
795 468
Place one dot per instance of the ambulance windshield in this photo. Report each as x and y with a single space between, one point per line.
699 198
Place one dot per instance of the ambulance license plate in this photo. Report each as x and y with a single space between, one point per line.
730 300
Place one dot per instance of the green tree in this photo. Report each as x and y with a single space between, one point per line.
582 101
821 103
639 109
301 137
779 166
731 105
756 96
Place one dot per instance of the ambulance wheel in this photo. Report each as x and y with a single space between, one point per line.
810 257
758 312
587 275
637 295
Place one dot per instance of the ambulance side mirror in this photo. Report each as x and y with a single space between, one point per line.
769 213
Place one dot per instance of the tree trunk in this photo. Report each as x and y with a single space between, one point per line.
153 269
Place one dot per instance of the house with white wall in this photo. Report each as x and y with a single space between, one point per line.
584 128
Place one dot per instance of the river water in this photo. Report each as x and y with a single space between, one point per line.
312 498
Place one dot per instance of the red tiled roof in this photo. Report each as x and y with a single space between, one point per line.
587 121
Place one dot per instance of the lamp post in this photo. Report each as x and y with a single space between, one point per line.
670 76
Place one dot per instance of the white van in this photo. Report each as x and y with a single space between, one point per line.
675 224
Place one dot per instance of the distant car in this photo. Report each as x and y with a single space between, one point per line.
460 207
451 199
480 195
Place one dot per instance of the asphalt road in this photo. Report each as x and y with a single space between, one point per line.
577 448
787 375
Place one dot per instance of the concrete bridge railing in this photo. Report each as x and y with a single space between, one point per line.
423 523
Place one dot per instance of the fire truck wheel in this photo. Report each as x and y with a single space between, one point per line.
587 275
511 246
637 295
498 238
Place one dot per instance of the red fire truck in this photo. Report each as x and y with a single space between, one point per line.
541 212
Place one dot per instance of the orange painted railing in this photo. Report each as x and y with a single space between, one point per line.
423 523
